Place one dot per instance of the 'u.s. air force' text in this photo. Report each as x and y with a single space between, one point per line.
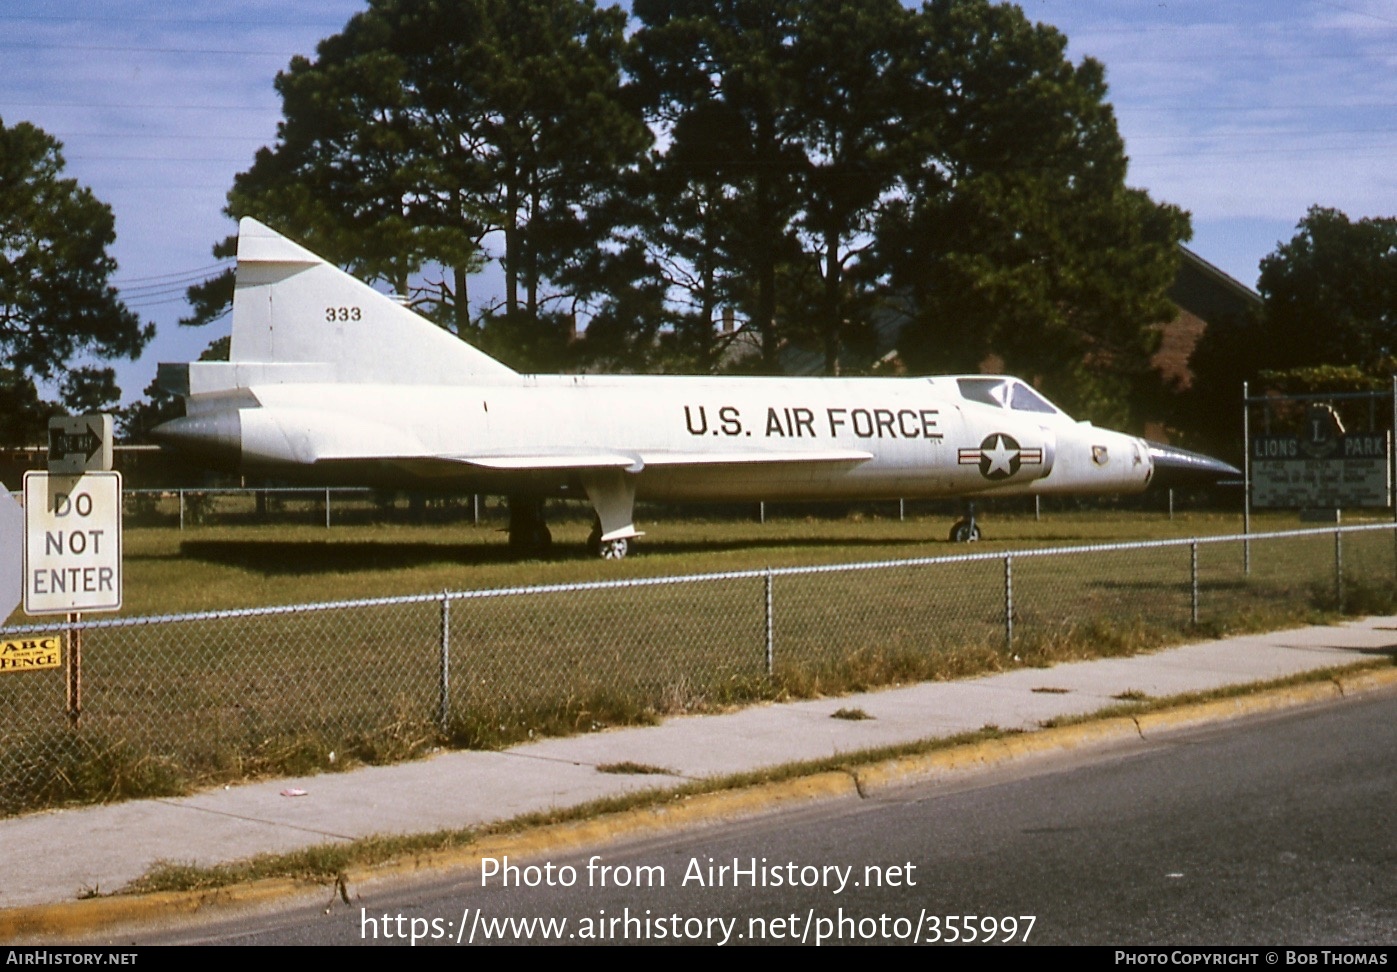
798 422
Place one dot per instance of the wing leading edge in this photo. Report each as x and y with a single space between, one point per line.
636 462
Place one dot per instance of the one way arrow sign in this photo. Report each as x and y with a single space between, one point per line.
79 444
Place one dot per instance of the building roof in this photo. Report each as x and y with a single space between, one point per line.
1200 290
1207 292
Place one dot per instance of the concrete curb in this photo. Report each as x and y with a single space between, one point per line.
90 915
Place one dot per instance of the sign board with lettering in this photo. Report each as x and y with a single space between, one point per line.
79 444
1338 472
11 553
72 542
31 654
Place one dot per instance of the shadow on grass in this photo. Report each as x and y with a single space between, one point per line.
272 557
279 557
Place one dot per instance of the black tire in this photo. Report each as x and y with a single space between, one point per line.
965 531
614 549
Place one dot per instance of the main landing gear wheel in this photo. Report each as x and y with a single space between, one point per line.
965 531
528 532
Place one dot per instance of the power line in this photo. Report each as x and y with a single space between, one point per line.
1361 13
124 19
212 267
242 160
114 49
131 107
166 290
150 136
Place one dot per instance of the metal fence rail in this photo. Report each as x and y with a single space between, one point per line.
197 506
229 693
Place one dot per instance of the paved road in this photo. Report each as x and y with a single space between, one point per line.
1268 830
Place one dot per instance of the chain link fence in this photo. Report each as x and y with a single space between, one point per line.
166 702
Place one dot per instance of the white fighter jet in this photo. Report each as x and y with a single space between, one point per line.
332 381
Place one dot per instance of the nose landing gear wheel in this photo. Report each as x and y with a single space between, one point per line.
965 531
614 549
611 549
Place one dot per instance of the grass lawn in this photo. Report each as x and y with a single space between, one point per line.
173 571
173 704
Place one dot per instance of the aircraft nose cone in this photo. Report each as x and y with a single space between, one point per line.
1179 467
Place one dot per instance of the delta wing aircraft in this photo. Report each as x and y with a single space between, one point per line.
331 381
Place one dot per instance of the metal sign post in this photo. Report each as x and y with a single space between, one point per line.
74 670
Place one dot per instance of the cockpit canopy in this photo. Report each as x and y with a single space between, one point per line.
1010 393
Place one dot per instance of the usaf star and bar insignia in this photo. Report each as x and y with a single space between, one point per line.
1000 456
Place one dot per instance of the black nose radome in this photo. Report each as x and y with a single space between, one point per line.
1179 467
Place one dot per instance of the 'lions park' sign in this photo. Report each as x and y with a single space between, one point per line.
1323 468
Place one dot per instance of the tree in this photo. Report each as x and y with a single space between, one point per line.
1327 322
851 116
717 77
814 161
23 414
56 301
423 128
1330 294
780 118
1016 236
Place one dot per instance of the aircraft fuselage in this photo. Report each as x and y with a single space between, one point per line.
330 381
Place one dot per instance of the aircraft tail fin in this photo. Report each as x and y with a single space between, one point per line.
292 307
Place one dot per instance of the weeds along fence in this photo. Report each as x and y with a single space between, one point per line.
167 702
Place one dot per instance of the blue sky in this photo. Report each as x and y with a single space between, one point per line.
1243 112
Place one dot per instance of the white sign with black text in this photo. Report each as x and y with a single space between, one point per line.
72 542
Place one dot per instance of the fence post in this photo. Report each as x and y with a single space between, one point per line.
770 628
1193 578
1392 465
1339 569
327 508
1008 602
444 680
181 509
1246 478
74 669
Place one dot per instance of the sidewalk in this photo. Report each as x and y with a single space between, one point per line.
54 857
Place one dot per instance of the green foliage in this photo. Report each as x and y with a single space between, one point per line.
56 301
1326 325
1331 293
87 390
23 414
211 299
809 164
1330 378
1018 238
782 121
422 128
